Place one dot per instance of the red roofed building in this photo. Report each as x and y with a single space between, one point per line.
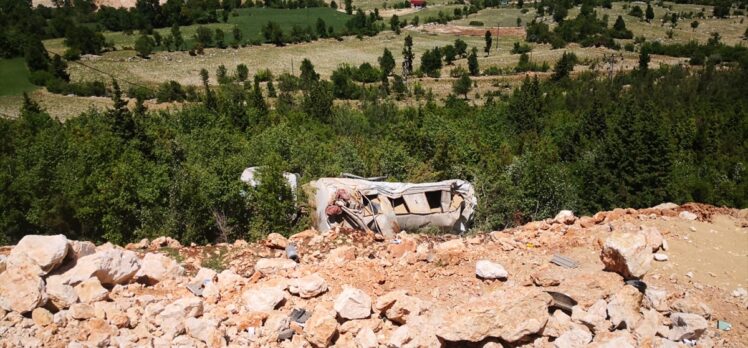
417 3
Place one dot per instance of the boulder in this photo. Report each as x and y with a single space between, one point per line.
321 327
690 304
263 299
91 291
397 306
61 295
112 266
450 252
656 298
686 326
627 254
42 317
511 315
594 316
366 338
660 257
647 328
142 244
308 286
688 215
203 275
167 242
490 270
173 316
573 338
353 303
560 323
274 265
78 249
2 263
205 330
654 237
82 311
623 308
157 267
21 288
666 206
276 241
615 339
341 255
565 217
47 252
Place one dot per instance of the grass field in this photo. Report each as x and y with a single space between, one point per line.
14 77
249 20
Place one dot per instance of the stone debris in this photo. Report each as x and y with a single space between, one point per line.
353 289
688 215
660 257
353 303
627 254
490 270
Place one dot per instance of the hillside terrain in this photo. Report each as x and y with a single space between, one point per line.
352 289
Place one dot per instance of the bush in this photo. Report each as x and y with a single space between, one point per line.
170 91
264 75
476 24
40 77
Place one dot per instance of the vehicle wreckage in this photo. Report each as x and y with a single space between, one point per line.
389 207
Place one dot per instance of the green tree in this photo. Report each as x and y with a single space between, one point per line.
242 72
694 25
461 48
462 85
318 100
431 62
308 75
559 13
619 25
450 53
271 202
321 28
649 13
387 62
220 39
473 62
644 59
489 41
395 24
144 46
178 39
564 66
408 56
210 99
222 74
366 73
204 36
237 35
349 7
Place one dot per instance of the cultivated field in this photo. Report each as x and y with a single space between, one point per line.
327 54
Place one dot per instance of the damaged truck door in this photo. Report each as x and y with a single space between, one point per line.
387 207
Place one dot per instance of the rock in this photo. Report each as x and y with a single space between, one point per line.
450 252
665 206
309 286
321 327
276 241
366 338
173 316
594 316
91 291
560 322
507 314
615 339
627 254
203 275
623 308
490 270
686 326
21 288
647 328
47 252
656 299
205 330
688 215
3 262
275 265
400 337
61 295
113 266
692 305
353 303
78 249
100 332
143 244
157 267
740 292
228 281
168 242
565 217
341 255
42 317
81 311
654 237
262 299
397 306
573 338
546 277
660 257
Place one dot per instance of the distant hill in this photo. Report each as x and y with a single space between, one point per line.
99 3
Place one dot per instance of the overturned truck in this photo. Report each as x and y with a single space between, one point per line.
388 207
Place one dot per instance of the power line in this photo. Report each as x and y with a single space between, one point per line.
110 75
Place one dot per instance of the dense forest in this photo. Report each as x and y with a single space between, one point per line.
589 143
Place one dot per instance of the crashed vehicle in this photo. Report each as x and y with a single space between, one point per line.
389 207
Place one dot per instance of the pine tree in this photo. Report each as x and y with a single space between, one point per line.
462 85
177 34
210 100
408 56
489 42
386 62
644 59
473 62
649 13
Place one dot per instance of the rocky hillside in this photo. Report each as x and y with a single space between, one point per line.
669 276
